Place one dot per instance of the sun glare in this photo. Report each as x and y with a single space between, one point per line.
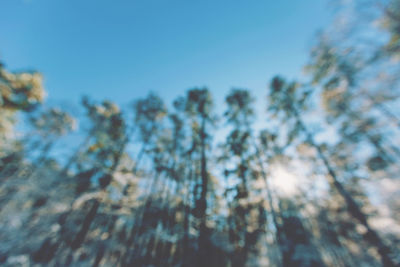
284 182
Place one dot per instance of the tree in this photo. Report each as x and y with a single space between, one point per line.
289 100
19 91
247 217
198 107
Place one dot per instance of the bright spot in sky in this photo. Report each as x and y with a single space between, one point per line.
284 182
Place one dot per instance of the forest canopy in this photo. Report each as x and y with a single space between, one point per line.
182 184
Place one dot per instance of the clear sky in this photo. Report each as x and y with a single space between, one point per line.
122 49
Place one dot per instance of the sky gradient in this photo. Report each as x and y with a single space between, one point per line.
123 49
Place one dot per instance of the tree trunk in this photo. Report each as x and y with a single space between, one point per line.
352 206
203 235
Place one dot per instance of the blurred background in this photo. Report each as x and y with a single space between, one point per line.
213 133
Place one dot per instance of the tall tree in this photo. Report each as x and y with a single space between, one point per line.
288 100
198 107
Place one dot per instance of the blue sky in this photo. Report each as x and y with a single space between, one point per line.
122 49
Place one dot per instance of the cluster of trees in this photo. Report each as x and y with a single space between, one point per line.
150 186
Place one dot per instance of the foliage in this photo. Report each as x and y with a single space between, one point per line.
151 186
